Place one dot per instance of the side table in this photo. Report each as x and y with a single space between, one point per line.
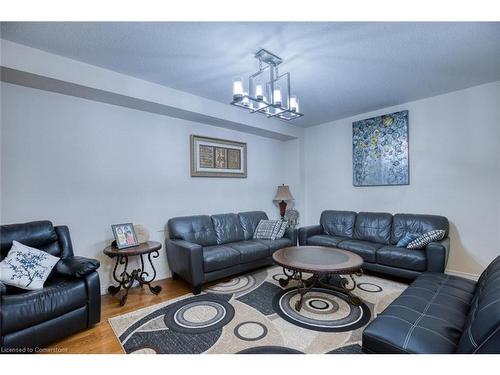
125 279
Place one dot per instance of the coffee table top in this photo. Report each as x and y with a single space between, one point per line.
318 259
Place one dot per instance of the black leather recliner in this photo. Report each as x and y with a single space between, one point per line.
70 300
374 235
440 313
203 248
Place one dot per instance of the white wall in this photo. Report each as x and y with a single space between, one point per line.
89 165
454 171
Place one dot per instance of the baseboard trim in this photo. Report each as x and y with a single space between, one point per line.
467 275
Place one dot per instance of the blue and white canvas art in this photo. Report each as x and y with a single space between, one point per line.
380 150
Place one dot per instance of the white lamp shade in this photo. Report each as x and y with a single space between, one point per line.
237 88
277 96
283 194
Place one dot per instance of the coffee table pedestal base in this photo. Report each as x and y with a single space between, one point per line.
336 282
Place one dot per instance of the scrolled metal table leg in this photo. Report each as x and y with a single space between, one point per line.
304 288
290 275
144 275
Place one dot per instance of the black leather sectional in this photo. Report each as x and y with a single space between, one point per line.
440 313
206 248
374 236
69 302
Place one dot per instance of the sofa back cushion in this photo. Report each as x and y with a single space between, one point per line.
38 234
196 229
249 221
227 228
482 328
338 223
403 224
373 227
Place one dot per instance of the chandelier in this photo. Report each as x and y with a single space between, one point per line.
267 92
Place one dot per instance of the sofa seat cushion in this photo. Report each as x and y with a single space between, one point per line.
428 317
59 296
219 257
402 258
364 249
250 250
325 240
277 244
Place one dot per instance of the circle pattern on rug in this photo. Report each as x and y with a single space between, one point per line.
370 288
203 314
322 310
236 285
319 305
250 331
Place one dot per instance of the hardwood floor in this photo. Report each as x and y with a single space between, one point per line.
100 338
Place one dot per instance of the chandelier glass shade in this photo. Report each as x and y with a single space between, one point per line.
267 91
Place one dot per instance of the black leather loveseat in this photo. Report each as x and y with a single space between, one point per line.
69 301
203 248
440 313
374 235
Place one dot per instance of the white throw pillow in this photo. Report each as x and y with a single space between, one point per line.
26 267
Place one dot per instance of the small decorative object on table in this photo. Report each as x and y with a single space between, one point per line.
124 235
125 279
292 217
142 233
282 196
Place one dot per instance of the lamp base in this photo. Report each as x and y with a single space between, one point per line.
282 205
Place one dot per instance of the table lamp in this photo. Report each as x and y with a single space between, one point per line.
282 196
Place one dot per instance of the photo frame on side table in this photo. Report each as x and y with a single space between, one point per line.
214 157
124 235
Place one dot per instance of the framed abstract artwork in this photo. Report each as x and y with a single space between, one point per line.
213 157
380 150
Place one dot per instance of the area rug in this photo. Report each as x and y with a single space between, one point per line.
254 314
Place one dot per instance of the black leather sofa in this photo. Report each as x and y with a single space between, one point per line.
69 302
441 313
374 236
206 248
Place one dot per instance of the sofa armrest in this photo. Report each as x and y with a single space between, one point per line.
437 255
3 289
291 234
186 260
76 266
306 232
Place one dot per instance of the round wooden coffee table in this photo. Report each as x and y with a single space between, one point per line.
329 267
126 278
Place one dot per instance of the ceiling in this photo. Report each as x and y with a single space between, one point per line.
337 69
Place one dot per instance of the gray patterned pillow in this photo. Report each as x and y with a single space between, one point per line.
267 229
426 238
281 232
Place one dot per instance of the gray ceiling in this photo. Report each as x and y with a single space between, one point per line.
337 69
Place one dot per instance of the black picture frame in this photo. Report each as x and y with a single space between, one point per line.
121 239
